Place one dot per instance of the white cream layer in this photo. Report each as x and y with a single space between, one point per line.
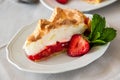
60 34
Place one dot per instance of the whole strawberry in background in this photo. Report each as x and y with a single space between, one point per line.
62 1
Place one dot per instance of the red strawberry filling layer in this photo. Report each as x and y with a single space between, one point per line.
49 50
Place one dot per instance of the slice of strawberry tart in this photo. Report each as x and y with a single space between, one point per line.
53 35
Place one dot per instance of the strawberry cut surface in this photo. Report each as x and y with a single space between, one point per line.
78 46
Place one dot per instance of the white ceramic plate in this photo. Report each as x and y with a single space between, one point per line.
76 4
56 64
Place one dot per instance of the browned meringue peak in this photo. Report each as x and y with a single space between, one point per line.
59 17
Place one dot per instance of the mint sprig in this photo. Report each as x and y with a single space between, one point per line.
100 34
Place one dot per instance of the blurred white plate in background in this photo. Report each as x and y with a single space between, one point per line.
76 4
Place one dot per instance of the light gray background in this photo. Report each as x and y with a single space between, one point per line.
15 15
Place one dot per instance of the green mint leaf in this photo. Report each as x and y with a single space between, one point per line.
97 36
108 34
98 42
94 22
97 25
100 34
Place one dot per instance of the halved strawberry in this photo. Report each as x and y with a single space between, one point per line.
62 1
78 46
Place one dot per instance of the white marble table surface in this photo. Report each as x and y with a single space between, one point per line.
14 16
